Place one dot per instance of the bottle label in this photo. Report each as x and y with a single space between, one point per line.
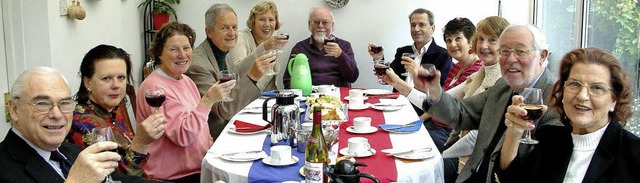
313 172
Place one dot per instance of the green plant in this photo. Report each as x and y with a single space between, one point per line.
161 6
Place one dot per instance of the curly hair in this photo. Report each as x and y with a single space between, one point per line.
167 31
263 8
620 85
88 66
459 24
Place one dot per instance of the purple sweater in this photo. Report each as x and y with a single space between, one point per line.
329 70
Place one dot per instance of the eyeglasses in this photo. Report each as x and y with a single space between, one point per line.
65 106
520 53
318 22
593 89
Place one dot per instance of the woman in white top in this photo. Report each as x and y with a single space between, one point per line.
258 37
592 96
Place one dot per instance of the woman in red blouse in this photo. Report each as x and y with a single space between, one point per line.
105 72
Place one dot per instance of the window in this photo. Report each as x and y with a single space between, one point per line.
611 25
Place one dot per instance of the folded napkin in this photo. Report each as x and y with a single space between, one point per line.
245 127
410 127
271 93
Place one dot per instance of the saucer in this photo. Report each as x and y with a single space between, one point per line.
267 160
301 171
345 152
360 107
363 98
370 129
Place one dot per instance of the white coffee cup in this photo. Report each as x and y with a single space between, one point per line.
356 102
361 124
326 89
356 93
280 154
358 145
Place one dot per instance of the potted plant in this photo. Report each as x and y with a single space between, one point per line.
161 11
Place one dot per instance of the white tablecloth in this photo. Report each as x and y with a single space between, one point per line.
429 170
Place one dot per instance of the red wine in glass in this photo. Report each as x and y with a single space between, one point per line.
155 101
376 49
426 76
533 112
329 40
381 69
286 36
225 79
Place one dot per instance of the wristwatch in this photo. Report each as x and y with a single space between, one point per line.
336 3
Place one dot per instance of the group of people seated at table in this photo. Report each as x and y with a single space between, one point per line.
581 138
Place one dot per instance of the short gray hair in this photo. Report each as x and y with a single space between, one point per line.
539 38
317 8
214 11
18 87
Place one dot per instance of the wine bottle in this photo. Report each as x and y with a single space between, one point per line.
316 152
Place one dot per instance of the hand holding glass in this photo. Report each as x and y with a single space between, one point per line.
533 104
282 33
381 67
227 75
102 135
410 55
327 40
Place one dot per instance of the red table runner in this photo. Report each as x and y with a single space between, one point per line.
379 165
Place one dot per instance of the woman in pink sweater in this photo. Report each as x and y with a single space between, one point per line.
178 154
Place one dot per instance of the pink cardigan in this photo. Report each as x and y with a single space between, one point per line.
179 152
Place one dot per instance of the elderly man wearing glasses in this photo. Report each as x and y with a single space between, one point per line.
331 59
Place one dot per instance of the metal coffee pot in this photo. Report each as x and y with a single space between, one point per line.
285 117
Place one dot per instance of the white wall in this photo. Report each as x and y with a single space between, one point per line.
36 35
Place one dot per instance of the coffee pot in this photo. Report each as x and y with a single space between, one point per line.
345 172
300 73
285 117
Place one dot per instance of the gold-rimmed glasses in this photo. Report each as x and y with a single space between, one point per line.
520 53
593 89
45 106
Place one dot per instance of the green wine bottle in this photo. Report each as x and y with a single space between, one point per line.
316 152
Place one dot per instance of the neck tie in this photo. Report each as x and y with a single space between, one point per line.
64 163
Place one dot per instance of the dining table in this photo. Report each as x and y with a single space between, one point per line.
385 167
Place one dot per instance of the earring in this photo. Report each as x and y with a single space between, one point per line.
562 101
89 90
470 51
612 109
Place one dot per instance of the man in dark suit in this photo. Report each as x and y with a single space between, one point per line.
426 50
523 53
34 150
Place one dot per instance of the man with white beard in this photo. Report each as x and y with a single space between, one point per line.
331 63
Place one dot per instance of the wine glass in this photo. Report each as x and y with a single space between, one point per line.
283 33
329 39
227 75
410 55
381 67
104 134
154 97
533 104
271 72
331 132
376 48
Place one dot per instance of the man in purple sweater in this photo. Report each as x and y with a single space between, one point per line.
331 63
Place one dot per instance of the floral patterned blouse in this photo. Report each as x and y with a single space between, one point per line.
88 116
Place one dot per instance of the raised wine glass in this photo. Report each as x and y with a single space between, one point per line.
271 72
381 67
155 97
533 104
410 55
283 33
104 134
227 75
427 76
327 40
